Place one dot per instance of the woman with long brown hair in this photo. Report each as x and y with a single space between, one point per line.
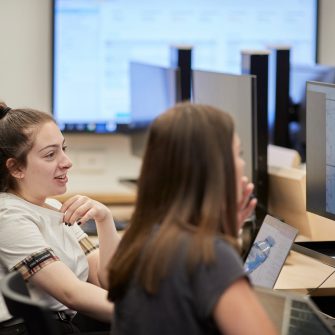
176 270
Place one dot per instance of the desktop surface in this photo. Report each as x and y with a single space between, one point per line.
324 251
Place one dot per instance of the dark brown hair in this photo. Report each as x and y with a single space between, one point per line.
187 188
17 133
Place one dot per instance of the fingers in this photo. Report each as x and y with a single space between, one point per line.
246 195
80 214
248 202
248 209
244 181
70 201
246 212
247 189
79 209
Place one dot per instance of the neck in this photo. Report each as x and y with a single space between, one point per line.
35 201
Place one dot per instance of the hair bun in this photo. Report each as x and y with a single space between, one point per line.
4 109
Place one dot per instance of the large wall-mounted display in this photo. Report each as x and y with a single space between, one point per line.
95 41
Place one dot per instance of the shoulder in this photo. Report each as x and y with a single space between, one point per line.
12 204
15 213
223 248
225 268
211 280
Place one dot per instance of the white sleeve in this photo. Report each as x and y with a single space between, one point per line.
22 246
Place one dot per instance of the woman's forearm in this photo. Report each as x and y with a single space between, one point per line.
60 282
108 242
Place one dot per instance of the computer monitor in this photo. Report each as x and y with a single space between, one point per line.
299 75
236 94
320 149
153 89
94 42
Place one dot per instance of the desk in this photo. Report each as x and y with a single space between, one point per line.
105 198
301 272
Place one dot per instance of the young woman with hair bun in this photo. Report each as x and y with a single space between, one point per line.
45 242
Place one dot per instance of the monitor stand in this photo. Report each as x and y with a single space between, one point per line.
129 181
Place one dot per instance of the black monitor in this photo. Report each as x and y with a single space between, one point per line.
94 42
300 74
320 149
236 94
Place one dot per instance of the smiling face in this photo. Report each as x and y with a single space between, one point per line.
45 173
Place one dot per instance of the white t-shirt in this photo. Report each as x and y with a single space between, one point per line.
32 237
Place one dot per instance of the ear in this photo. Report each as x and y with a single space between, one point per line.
14 169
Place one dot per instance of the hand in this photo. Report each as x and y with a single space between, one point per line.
247 204
80 209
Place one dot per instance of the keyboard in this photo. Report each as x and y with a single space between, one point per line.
90 227
303 320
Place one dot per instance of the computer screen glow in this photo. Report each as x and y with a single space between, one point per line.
95 41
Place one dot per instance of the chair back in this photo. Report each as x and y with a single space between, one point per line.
37 317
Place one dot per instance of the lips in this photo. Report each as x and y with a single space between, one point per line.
61 177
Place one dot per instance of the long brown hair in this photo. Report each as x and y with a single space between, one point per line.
187 188
18 128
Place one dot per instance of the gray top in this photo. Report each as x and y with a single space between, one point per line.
184 303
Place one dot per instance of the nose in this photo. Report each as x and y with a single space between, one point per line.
65 162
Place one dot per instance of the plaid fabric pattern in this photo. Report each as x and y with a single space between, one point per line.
35 262
87 245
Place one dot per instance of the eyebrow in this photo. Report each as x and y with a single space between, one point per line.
55 146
